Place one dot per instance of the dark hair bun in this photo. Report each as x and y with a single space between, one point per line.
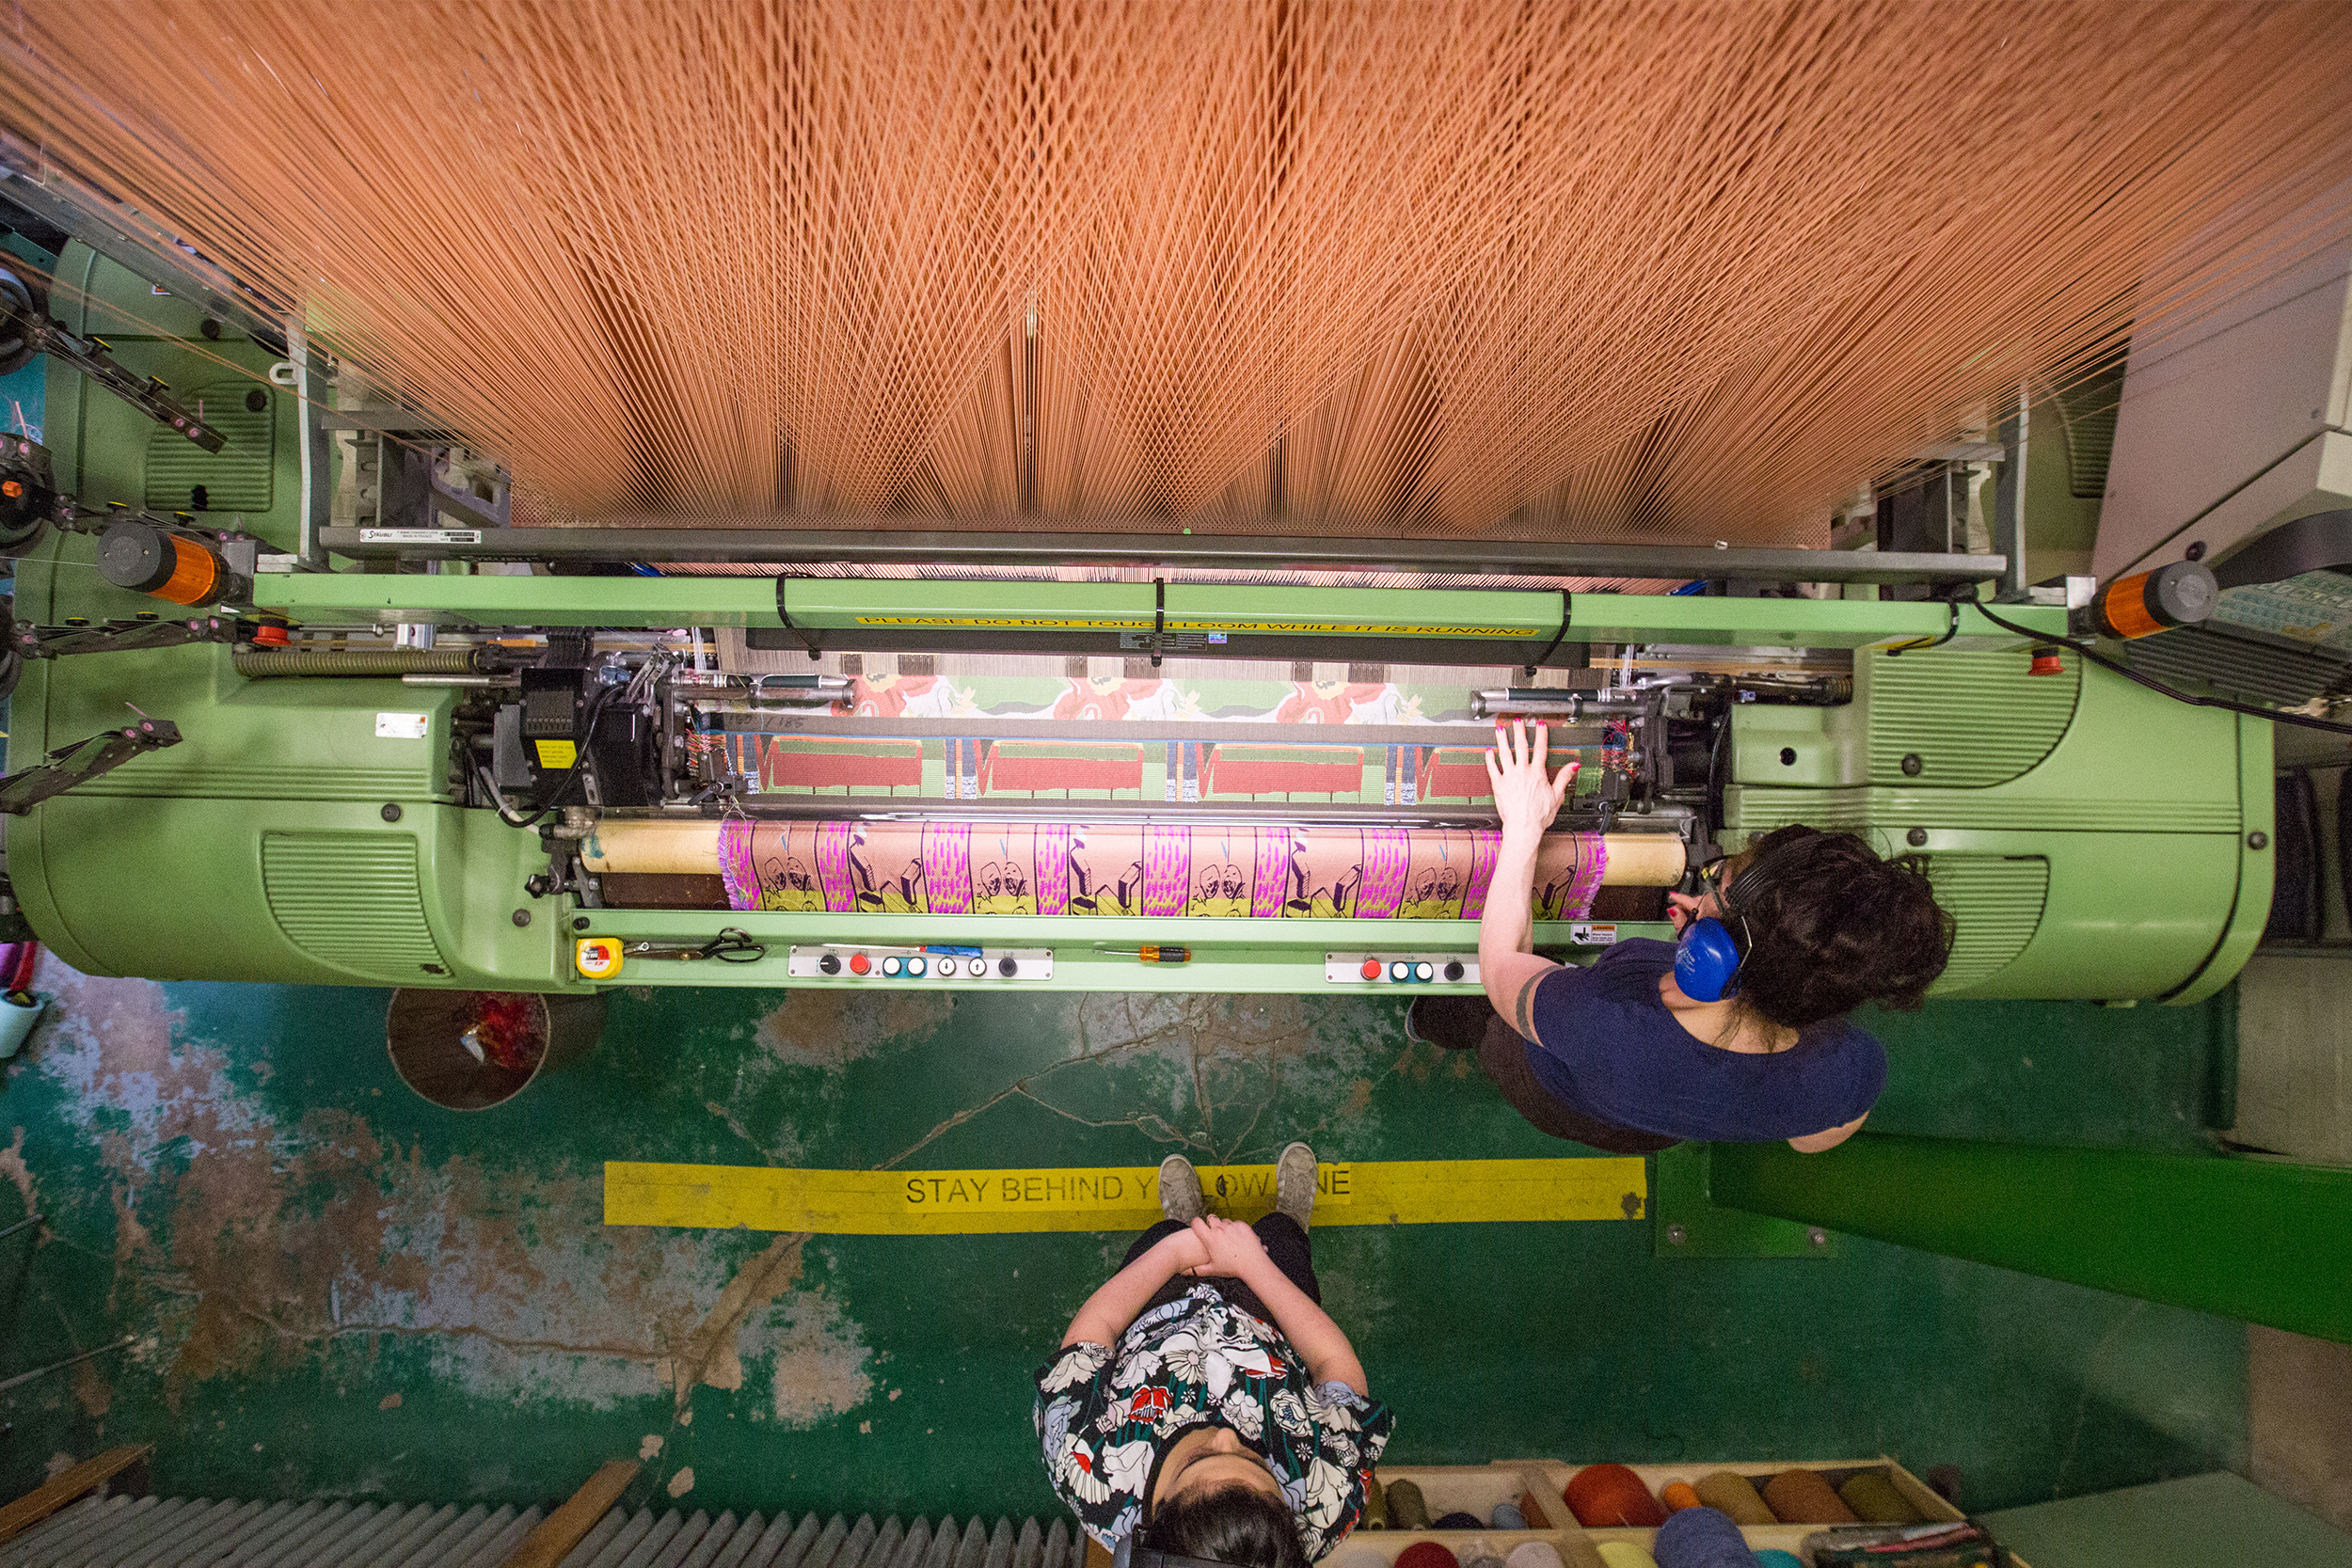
1233 1524
1835 925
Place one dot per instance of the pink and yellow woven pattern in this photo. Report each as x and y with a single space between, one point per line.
1117 868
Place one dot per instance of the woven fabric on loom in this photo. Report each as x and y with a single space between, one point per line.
1635 269
1233 872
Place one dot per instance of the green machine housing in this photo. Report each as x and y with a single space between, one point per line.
2091 839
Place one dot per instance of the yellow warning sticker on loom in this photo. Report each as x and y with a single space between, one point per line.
557 754
1132 623
1115 1198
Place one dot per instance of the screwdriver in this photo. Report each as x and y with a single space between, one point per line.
1151 955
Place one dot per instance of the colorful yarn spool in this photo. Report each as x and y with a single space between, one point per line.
1407 1508
1375 1514
1625 1554
1735 1495
1803 1497
1533 1511
1874 1500
1533 1554
1426 1554
1611 1494
1772 1556
1506 1517
1458 1520
1701 1538
1679 1495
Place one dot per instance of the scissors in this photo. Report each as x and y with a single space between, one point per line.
730 945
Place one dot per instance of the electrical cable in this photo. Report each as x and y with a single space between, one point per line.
2154 685
1950 630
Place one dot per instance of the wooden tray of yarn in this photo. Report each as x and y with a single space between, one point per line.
1554 1476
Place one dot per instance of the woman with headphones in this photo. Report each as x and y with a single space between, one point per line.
1736 1034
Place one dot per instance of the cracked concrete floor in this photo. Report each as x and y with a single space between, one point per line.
335 1290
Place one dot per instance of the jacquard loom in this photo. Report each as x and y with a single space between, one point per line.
947 719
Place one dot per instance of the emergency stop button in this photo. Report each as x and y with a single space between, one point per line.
1372 968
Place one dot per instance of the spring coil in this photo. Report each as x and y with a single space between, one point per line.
260 663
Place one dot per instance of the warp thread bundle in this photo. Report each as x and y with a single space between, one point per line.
1295 265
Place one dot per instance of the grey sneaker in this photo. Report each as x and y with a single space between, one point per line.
1294 1184
1179 1190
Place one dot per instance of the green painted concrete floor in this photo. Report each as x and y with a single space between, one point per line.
336 1290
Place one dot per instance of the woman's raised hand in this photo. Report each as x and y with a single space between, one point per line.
1527 799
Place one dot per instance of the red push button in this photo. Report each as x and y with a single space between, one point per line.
860 964
1372 968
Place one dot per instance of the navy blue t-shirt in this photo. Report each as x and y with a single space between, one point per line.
1608 1046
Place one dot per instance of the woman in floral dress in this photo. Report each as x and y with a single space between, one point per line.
1203 1403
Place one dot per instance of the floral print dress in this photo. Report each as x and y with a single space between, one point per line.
1104 1414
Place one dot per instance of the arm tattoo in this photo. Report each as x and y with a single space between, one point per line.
1522 1008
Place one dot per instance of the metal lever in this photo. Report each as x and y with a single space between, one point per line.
89 355
85 760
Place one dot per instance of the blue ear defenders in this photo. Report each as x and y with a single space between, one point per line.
1707 958
1706 961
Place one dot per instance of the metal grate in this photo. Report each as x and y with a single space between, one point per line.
237 478
190 1531
2270 672
1996 904
351 900
1973 719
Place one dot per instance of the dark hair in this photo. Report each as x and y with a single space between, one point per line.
1831 924
1233 1524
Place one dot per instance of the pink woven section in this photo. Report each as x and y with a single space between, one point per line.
1166 869
1592 852
735 863
1273 880
832 866
1053 868
948 866
1485 844
1388 852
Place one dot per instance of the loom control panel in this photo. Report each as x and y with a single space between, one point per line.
1400 969
921 966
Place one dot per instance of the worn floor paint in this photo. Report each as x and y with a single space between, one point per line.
339 1291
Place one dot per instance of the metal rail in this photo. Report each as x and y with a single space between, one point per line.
1006 542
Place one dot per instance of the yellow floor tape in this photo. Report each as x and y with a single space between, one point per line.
1113 1198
